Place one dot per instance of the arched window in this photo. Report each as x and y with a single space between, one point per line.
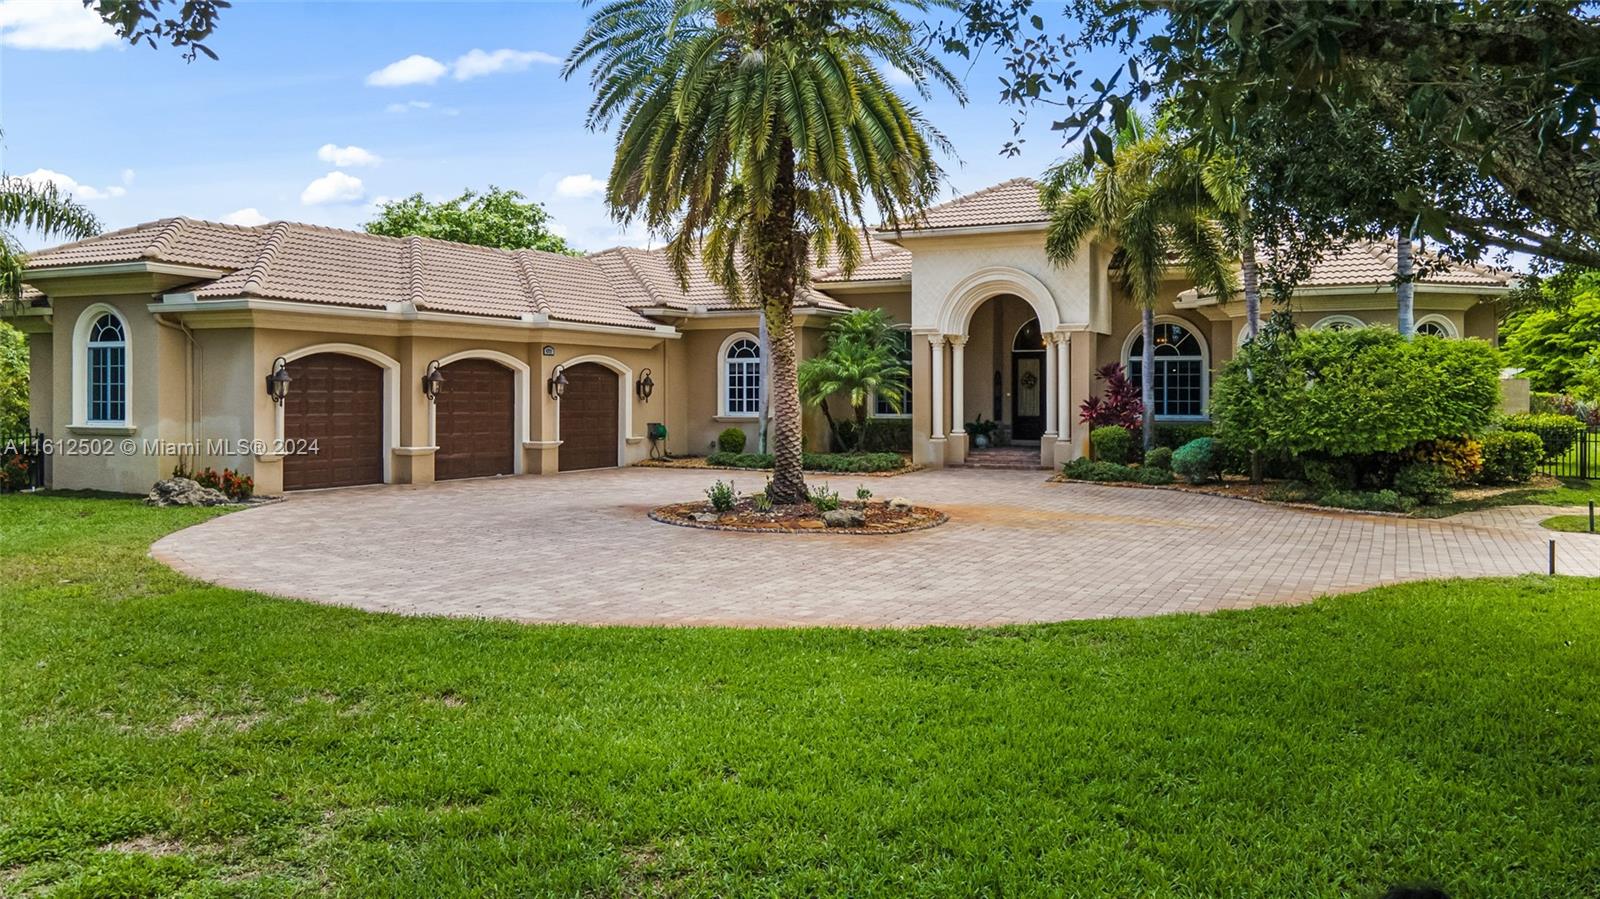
742 377
1338 323
1180 375
108 370
1436 326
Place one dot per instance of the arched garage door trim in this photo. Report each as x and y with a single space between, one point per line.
624 398
522 376
391 393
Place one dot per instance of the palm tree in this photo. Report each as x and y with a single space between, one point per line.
1405 283
1227 183
861 361
43 209
759 135
1151 207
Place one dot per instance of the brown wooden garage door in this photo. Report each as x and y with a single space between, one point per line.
589 418
335 401
475 421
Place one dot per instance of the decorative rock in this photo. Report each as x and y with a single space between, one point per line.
845 518
706 517
899 502
184 492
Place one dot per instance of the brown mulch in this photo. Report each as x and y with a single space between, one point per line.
800 518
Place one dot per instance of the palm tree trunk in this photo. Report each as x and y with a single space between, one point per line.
1405 290
1147 375
1249 277
861 428
774 257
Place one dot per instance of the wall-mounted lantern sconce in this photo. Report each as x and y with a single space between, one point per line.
278 381
646 386
558 383
432 381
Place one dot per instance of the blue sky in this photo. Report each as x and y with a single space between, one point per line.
308 117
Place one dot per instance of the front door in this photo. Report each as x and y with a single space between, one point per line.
1027 396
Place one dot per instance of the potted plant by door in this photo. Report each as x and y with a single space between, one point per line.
982 431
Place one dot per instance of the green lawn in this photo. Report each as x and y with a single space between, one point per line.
1572 492
164 737
1572 524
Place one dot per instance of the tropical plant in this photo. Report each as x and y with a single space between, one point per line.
1120 405
759 134
860 360
982 427
1151 206
495 218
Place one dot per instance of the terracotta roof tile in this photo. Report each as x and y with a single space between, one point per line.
1373 262
880 261
1013 202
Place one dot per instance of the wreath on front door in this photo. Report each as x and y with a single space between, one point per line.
1030 380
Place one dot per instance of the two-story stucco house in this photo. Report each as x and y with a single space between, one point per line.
161 339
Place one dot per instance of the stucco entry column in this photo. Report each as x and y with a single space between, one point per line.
1063 407
936 375
955 450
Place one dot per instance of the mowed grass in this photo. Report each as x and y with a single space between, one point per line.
160 737
1572 524
1570 492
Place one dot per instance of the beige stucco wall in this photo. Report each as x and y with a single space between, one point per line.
946 268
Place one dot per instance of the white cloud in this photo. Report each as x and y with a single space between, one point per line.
52 25
127 177
407 106
68 184
345 157
476 63
334 187
414 69
246 216
896 76
584 185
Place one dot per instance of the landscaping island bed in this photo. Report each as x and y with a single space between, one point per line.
871 517
867 465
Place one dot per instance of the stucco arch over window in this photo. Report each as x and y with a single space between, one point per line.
1437 325
739 365
987 283
1338 323
1183 368
102 368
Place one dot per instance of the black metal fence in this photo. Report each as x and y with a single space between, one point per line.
22 462
1581 460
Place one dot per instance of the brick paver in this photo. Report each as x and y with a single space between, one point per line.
578 548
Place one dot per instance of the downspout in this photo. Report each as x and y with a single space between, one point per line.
188 375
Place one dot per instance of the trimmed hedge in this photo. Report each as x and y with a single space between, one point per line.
1159 457
1510 457
731 440
1557 432
884 435
827 462
1196 460
1112 443
1085 469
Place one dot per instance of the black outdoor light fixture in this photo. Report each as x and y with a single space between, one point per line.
278 381
646 386
432 381
558 383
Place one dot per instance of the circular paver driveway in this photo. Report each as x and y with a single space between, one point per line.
578 548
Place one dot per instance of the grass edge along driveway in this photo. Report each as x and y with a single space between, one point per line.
164 737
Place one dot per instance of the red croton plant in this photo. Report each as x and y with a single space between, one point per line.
1119 406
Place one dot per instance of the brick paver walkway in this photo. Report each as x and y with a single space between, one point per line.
578 548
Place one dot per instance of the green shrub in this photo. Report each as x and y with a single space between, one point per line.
1368 500
1541 402
1148 475
862 493
1461 457
1557 432
1085 469
1425 483
722 496
1176 434
1290 492
1196 460
845 463
1112 443
1510 457
1159 457
884 435
823 499
731 440
762 502
1353 393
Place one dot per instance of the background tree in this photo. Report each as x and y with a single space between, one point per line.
1551 345
184 24
496 218
1150 207
1501 94
761 134
52 215
860 361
